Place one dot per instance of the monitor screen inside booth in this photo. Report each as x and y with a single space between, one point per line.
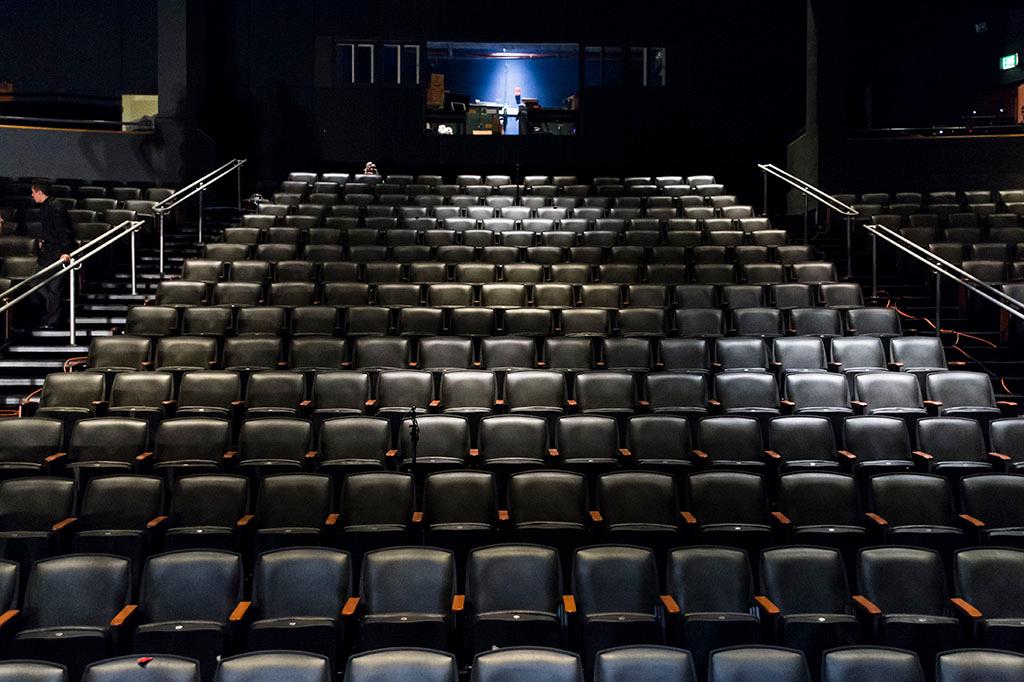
502 88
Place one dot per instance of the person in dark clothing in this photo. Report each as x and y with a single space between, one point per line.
56 238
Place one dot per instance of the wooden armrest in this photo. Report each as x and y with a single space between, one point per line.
417 517
147 364
64 523
144 456
571 403
569 603
869 606
766 604
370 403
1006 403
474 452
499 403
155 521
771 454
240 404
99 404
413 364
700 454
859 403
541 363
351 604
169 404
999 456
305 404
835 366
311 454
435 404
8 616
956 363
788 403
458 603
781 518
231 454
345 364
932 403
552 452
245 520
895 366
625 452
775 365
965 607
123 615
56 457
716 366
391 453
846 454
503 514
977 523
477 363
689 518
239 613
877 519
332 520
715 403
644 403
596 517
211 363
922 455
669 603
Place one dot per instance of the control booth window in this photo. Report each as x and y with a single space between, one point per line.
502 88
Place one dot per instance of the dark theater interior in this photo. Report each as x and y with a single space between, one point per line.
450 341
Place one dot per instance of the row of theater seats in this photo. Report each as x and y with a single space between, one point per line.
437 231
666 266
304 598
247 353
728 429
619 664
435 210
396 312
578 264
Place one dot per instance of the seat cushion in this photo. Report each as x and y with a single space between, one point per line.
500 629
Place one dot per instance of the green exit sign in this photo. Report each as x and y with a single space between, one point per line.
1010 61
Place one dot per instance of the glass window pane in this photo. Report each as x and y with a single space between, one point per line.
656 66
343 64
364 64
635 74
592 66
411 64
612 70
388 71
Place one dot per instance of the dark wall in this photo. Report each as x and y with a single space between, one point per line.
735 93
101 48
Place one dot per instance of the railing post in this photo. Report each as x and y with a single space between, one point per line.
71 303
938 305
805 219
874 266
134 292
764 175
200 214
849 247
160 217
238 180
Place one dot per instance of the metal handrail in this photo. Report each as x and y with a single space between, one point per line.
943 267
163 207
56 264
77 258
819 195
809 190
196 186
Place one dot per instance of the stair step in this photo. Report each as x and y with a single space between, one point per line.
46 350
52 365
58 334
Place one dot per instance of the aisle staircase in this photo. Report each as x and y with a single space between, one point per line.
102 305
